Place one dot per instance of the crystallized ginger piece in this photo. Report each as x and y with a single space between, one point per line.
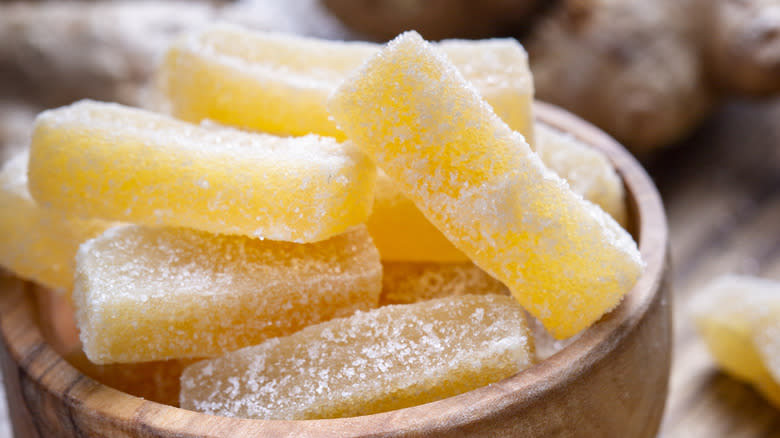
588 172
738 318
120 163
499 71
412 282
566 260
280 83
38 243
144 294
402 233
389 358
767 341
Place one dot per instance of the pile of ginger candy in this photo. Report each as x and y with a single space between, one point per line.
319 229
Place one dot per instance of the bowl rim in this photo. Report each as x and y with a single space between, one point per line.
646 215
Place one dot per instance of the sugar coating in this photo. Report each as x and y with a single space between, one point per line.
412 282
120 163
498 69
587 171
566 260
738 317
280 83
389 358
38 243
144 294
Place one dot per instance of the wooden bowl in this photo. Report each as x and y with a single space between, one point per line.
610 382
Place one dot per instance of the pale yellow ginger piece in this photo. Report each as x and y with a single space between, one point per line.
280 83
412 282
389 358
144 294
38 243
126 164
588 171
738 318
767 341
566 260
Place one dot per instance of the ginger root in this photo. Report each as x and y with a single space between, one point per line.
53 53
649 72
743 45
436 19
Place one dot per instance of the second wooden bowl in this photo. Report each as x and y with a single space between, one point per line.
610 382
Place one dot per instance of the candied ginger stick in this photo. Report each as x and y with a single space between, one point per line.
38 243
767 342
146 294
566 260
418 240
389 358
126 164
588 172
738 318
280 83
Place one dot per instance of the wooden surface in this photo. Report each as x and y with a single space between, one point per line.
722 193
610 382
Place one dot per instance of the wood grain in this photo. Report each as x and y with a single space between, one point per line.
722 193
610 382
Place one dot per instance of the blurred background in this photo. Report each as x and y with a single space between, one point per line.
691 87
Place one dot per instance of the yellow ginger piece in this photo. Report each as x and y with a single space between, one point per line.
280 83
402 233
38 243
566 260
144 294
738 317
126 164
389 358
412 282
588 171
